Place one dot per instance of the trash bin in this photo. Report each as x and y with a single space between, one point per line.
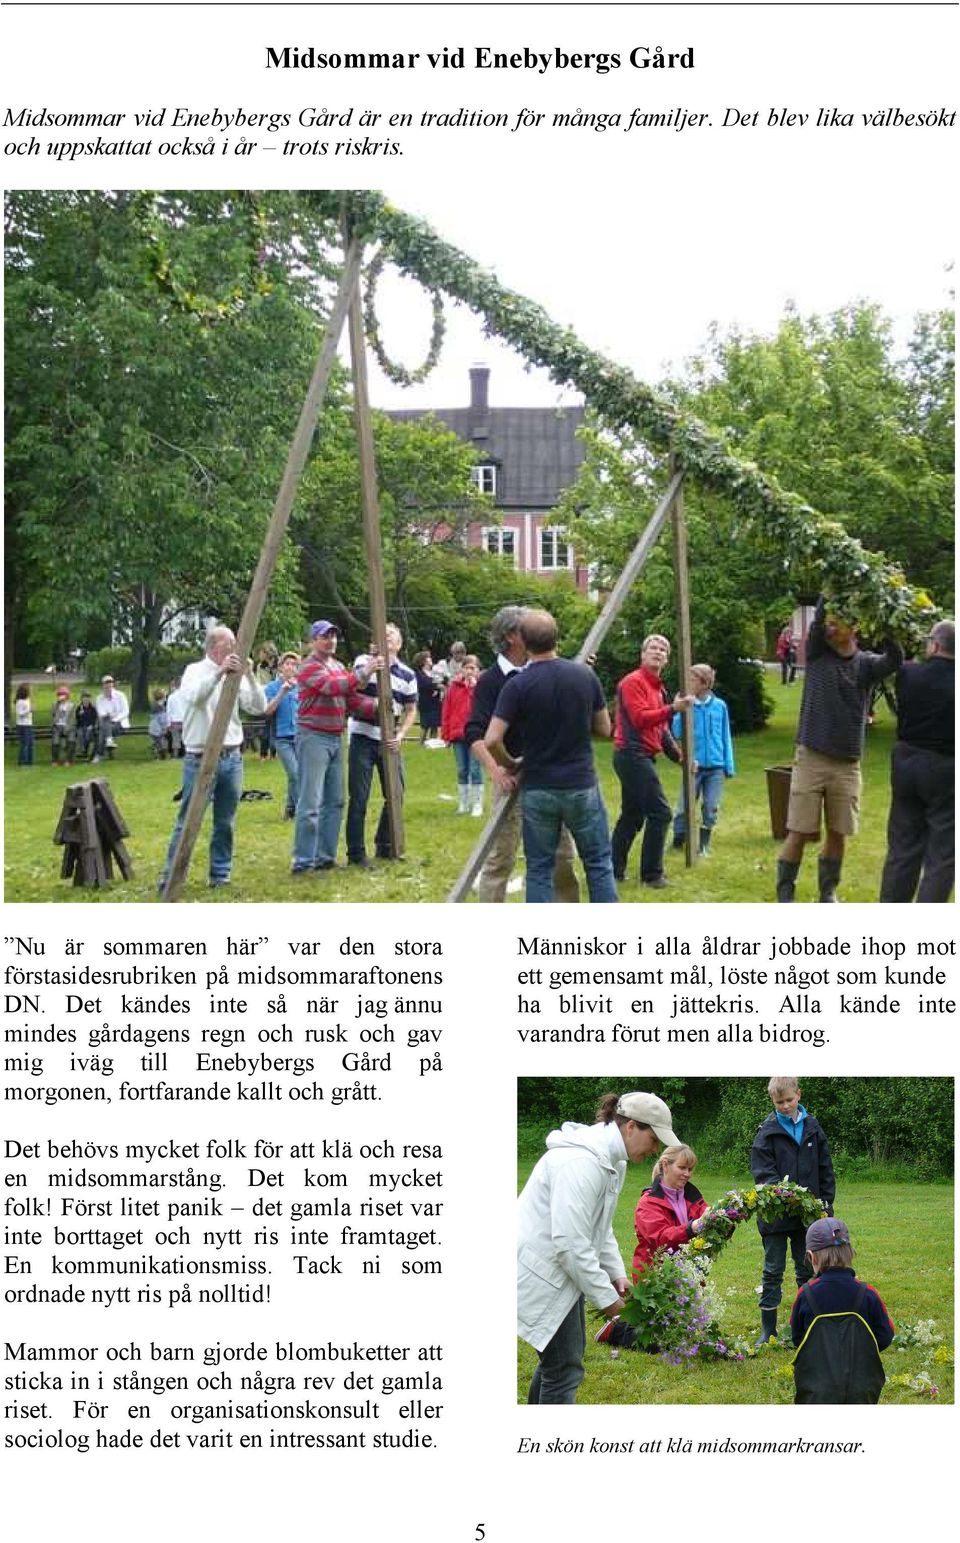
778 796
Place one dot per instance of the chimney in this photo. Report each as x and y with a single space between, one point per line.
479 403
479 383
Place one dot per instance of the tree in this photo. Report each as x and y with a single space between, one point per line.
827 407
147 424
605 512
427 501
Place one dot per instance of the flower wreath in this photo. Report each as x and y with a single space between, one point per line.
206 308
673 1306
398 373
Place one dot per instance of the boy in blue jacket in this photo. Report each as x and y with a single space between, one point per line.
790 1144
712 752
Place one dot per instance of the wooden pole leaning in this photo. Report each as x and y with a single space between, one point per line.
681 568
276 530
612 607
378 603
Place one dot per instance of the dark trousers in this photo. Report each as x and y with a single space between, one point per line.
643 806
560 1370
920 829
365 757
775 1262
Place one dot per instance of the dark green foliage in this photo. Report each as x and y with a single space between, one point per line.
166 664
871 1123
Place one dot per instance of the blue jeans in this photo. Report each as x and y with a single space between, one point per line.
708 789
468 767
365 758
560 1370
319 801
545 812
286 748
775 1262
225 796
25 744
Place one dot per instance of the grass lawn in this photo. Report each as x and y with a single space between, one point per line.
911 1267
741 867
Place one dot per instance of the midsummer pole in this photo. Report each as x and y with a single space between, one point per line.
273 540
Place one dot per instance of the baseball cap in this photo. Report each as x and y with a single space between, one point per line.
323 629
106 679
828 1232
648 1109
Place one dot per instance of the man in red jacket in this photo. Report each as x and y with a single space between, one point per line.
644 710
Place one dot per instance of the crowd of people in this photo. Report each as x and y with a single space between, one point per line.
568 1254
525 725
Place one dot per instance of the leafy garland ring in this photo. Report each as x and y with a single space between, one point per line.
398 373
206 308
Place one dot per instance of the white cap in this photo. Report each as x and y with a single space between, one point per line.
648 1109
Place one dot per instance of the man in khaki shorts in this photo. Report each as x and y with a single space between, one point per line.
838 676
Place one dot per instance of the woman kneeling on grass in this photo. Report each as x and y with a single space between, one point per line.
668 1215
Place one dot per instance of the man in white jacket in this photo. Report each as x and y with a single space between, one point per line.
566 1250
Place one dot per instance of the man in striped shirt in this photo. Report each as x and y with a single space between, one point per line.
326 692
838 676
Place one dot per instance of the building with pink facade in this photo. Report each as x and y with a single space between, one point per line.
526 457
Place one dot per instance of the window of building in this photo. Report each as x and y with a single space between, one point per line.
500 541
554 549
484 478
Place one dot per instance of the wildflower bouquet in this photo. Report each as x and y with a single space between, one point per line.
667 1307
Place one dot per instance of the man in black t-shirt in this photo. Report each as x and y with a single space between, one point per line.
556 705
494 880
920 831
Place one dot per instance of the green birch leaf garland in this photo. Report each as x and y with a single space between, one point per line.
864 585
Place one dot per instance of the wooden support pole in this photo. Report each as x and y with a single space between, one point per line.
681 568
389 750
276 530
611 609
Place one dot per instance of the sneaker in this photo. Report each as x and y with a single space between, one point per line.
360 862
326 865
658 883
217 883
603 1335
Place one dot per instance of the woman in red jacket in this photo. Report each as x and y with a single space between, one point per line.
669 1212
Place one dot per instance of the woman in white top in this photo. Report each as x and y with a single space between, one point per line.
24 712
566 1250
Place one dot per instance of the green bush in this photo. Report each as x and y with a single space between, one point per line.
875 1125
166 664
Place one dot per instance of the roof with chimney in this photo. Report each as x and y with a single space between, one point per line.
535 449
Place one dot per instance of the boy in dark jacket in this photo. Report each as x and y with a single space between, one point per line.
839 1324
790 1144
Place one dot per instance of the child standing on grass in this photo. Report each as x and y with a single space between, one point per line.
457 707
86 726
839 1324
158 724
63 728
790 1144
24 720
712 752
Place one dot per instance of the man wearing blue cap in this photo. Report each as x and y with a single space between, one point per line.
326 693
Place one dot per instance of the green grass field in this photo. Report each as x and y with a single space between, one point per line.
741 867
903 1237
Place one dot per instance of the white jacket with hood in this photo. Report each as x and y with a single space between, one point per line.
565 1246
